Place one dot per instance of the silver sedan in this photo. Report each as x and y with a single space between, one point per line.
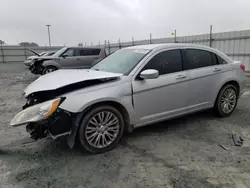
133 87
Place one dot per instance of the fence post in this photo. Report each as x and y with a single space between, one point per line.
175 41
210 36
133 43
109 47
150 38
2 52
25 54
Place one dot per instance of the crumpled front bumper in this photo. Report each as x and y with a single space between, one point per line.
59 124
36 68
28 63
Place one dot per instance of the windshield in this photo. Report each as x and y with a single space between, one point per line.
59 52
122 61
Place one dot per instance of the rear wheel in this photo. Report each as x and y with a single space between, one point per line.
226 101
49 69
101 129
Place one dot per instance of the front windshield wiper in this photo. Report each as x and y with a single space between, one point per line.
96 69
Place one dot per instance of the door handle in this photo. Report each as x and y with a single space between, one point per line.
217 69
179 77
77 58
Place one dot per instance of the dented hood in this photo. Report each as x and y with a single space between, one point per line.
62 78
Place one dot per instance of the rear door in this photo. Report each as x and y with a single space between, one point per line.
88 57
205 73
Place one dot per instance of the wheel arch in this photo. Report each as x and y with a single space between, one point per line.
51 63
234 83
128 127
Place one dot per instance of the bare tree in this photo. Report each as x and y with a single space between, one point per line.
2 42
28 44
80 44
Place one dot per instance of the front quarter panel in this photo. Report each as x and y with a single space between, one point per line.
78 101
52 63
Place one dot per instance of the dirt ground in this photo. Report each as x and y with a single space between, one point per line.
180 153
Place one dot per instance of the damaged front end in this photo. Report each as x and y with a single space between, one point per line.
45 119
59 124
43 116
37 67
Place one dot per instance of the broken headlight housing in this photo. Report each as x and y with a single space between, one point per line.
36 113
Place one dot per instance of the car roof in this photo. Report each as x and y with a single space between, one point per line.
167 45
156 47
86 47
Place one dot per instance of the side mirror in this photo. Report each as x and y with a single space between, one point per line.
149 74
64 55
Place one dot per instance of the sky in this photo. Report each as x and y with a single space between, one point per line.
94 21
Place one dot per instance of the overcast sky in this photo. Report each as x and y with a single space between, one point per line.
75 21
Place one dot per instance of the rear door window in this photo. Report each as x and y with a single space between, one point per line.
166 62
195 58
90 52
220 60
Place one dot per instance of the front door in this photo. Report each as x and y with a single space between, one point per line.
165 96
69 59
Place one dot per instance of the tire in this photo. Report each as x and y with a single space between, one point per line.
89 127
49 69
222 98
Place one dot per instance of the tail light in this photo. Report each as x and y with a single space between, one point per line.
242 67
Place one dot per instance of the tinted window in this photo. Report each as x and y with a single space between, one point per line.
90 52
166 62
77 52
194 58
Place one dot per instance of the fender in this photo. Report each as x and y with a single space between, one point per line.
51 63
70 139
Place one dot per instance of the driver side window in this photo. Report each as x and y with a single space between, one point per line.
166 62
69 52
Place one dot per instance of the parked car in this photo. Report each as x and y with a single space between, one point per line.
68 58
133 87
30 59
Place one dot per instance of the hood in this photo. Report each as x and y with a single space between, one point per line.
62 78
33 51
32 57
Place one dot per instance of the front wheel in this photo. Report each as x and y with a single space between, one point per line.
226 101
101 129
49 69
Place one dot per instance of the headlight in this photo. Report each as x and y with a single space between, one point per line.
35 113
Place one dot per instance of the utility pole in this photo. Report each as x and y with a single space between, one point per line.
210 36
49 34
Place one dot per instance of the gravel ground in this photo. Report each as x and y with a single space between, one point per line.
181 153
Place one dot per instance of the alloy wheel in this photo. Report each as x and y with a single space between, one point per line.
102 129
228 100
